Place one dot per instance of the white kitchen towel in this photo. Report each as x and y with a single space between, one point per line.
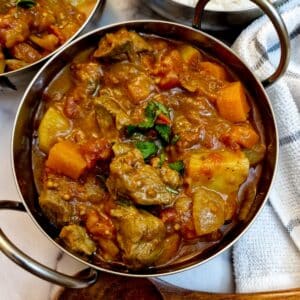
268 255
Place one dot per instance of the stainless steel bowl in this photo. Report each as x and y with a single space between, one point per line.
23 130
213 20
29 69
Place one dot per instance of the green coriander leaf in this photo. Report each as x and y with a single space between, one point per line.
150 110
147 123
164 131
131 129
26 3
172 190
177 166
162 159
175 139
147 148
161 109
150 116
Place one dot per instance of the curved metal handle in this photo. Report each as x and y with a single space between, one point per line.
279 25
34 267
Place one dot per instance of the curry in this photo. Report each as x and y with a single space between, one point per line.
145 150
32 29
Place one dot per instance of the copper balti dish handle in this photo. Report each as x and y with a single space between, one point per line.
34 267
279 25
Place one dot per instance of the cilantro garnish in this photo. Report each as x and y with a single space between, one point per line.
26 3
147 148
177 166
164 131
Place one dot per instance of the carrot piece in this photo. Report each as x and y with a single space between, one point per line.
214 69
232 103
244 135
65 158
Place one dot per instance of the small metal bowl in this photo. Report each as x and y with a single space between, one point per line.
30 68
213 20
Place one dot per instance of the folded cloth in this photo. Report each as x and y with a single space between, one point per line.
267 257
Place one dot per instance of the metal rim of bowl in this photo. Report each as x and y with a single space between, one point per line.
213 20
254 8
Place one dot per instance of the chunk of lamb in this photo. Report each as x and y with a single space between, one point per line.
56 209
170 177
113 45
76 239
78 100
131 178
14 27
138 84
108 101
87 74
140 235
60 197
111 117
25 52
188 132
201 83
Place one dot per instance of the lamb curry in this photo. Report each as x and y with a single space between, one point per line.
32 29
142 149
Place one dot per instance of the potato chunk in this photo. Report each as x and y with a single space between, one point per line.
208 211
190 55
52 125
214 69
14 64
220 170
